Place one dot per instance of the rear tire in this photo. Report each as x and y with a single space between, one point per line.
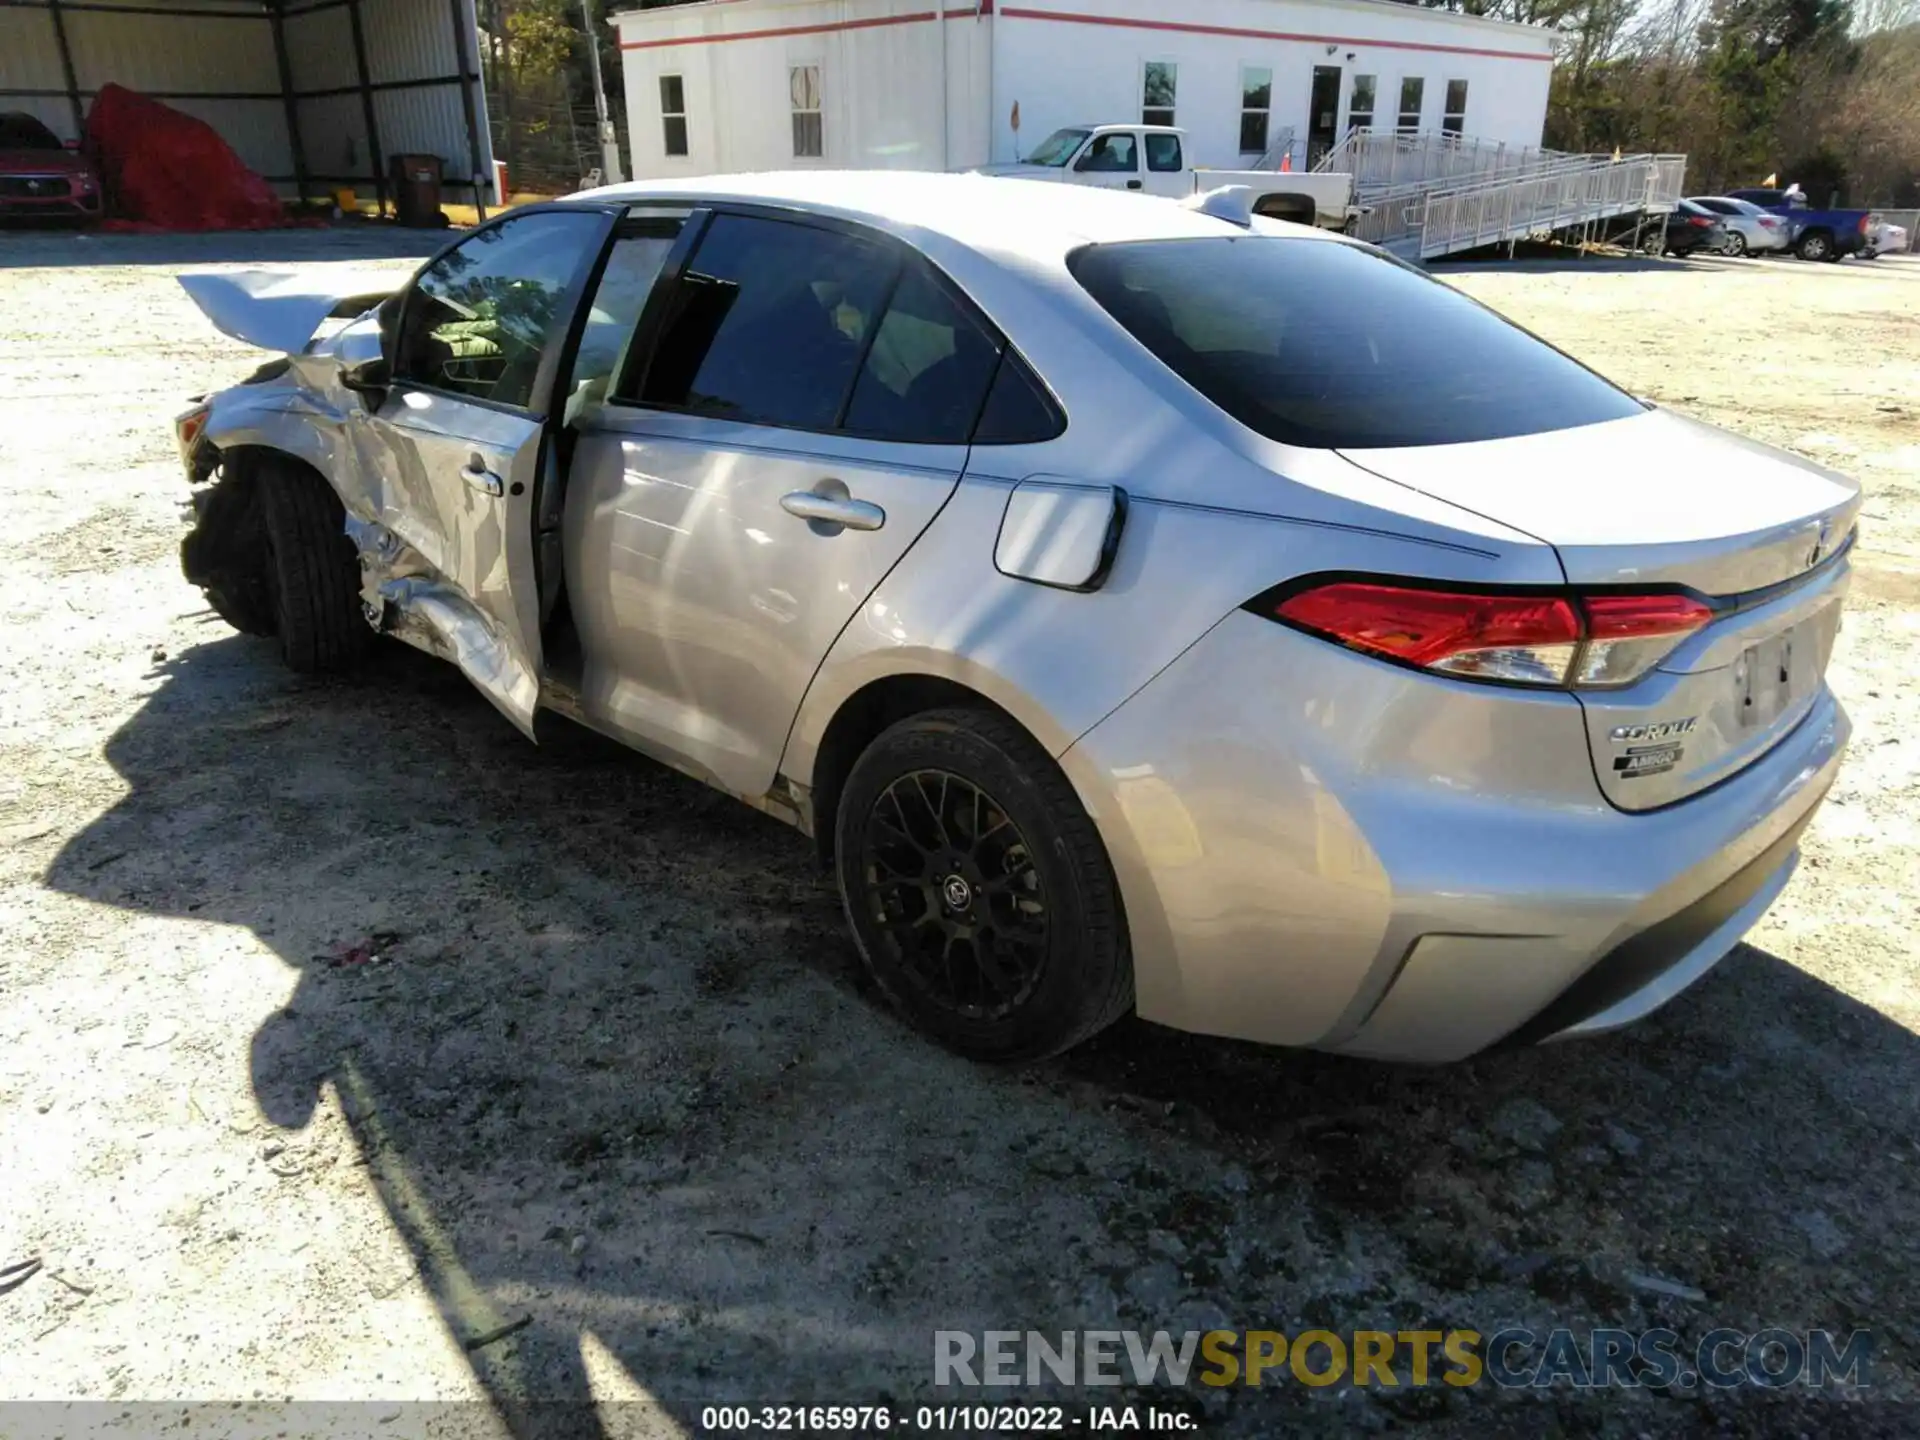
313 569
1815 246
978 890
1736 245
1654 242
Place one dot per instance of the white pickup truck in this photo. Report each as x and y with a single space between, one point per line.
1154 159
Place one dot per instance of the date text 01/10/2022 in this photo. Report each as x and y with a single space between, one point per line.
938 1419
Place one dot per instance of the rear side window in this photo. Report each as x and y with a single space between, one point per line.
1019 411
625 283
926 376
770 323
1326 345
1163 152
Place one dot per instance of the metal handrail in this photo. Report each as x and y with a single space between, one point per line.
1554 192
1597 188
1379 158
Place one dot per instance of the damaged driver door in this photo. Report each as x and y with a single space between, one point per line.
460 437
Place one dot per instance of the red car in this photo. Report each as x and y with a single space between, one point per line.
41 176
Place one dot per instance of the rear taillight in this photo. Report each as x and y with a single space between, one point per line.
1699 221
1862 226
1557 639
1627 635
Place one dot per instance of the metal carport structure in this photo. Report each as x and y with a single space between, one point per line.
312 94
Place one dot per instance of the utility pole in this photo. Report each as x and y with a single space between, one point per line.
610 171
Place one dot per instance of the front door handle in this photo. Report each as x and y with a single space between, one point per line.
477 475
835 510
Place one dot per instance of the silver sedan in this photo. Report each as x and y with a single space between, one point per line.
1143 610
1750 230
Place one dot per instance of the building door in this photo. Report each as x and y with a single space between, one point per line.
1323 113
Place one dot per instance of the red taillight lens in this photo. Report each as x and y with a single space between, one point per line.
1526 638
1862 227
1627 635
1557 640
1700 221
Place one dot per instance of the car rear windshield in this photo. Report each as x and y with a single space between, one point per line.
1326 345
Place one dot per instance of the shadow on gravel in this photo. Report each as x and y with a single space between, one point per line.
617 1079
44 247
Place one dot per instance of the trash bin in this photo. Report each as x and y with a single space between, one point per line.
416 190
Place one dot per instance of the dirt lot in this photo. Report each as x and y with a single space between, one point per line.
616 1072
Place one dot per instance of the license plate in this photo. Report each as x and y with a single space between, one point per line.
1763 680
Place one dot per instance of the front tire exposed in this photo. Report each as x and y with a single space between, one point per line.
978 890
312 568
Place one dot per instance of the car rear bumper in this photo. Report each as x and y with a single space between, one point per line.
1319 849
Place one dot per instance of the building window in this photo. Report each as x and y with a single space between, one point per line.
1156 93
1360 111
1413 90
673 113
1256 105
804 83
1455 120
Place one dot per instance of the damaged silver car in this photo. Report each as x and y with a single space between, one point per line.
1143 607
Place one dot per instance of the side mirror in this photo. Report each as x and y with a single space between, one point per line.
368 377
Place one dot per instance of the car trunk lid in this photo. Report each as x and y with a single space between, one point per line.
1656 502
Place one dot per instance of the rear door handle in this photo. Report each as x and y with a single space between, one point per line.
480 478
1133 184
843 511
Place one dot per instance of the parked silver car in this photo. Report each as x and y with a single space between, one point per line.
1143 611
1750 230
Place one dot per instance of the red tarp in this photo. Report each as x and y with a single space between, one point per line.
163 170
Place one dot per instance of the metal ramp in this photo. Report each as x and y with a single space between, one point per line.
1427 195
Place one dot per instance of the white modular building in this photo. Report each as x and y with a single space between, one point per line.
745 85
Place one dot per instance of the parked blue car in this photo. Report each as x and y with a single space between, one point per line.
1817 234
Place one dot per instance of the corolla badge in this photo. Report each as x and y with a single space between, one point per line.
1651 749
1658 730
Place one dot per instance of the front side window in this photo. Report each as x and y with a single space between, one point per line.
480 319
1326 345
803 85
1454 122
673 114
1156 92
1111 153
1360 109
1163 153
770 323
1413 92
1256 107
1057 148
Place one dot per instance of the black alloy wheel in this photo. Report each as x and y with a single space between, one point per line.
978 889
951 887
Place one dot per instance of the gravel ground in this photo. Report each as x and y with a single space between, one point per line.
615 1072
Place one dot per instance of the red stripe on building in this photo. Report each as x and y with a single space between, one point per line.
1183 28
985 8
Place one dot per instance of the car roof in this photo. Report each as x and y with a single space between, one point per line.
1030 219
